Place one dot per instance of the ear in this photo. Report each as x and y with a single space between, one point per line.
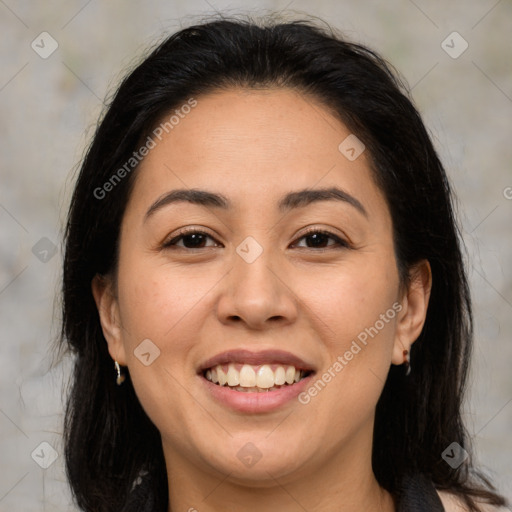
411 317
108 309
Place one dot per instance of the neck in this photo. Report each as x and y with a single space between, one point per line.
341 483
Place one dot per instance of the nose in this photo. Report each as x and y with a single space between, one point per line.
258 294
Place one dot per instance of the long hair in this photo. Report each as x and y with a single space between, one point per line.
109 439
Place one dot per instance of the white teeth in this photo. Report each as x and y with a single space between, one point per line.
233 376
221 376
253 377
265 377
290 375
279 376
255 389
247 376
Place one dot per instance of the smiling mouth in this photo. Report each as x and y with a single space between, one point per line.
248 378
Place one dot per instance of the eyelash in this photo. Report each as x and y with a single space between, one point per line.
342 244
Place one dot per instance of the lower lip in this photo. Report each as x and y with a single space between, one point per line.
256 402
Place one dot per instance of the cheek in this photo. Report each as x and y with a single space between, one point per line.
163 305
355 313
158 303
352 299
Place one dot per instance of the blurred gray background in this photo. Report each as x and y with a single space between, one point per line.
49 103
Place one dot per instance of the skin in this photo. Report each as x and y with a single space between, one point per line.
255 146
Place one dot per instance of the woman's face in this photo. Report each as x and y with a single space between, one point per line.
294 269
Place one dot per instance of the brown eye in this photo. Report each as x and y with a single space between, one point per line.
194 239
319 239
191 239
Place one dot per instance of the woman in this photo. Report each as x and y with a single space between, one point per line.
264 289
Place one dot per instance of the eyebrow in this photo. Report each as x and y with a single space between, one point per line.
290 201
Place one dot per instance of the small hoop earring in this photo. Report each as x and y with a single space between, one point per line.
407 362
120 376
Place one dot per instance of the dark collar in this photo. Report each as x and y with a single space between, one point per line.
418 494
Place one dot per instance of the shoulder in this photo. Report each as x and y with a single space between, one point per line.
452 503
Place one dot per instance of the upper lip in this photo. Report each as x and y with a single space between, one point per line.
257 358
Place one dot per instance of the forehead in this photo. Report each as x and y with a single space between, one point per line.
253 145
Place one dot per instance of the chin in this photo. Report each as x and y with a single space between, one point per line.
255 464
